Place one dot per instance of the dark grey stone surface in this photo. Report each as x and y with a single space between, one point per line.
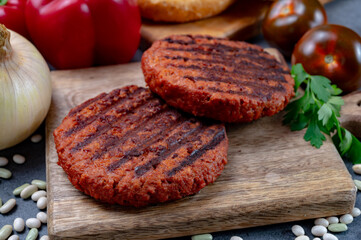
343 12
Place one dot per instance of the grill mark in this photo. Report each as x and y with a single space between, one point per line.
178 41
139 150
104 128
263 90
80 107
268 96
172 146
113 141
270 62
84 122
217 139
222 70
240 64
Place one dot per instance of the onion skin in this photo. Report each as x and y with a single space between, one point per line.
25 88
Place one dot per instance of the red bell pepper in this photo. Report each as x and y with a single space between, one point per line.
13 17
82 33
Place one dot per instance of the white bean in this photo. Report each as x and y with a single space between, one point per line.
3 161
18 190
298 230
318 230
357 184
45 237
42 202
4 173
346 219
322 222
28 191
329 236
42 216
316 238
337 227
332 220
39 183
19 224
357 168
36 138
303 237
13 237
33 234
356 212
5 231
19 159
10 204
236 238
36 195
33 223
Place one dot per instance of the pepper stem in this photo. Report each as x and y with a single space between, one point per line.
5 47
3 2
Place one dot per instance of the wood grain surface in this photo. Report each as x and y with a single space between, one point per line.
272 176
241 21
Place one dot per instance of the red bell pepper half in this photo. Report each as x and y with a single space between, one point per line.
82 33
13 17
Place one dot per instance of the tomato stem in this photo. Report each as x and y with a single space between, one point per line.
328 59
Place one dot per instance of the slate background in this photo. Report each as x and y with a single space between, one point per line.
342 12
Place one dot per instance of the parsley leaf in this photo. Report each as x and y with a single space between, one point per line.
318 86
314 134
317 110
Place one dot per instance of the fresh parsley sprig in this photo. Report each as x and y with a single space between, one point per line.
318 110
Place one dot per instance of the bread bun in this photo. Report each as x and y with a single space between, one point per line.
181 10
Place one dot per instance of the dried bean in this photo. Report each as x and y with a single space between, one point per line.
19 159
202 237
18 190
356 212
318 230
36 195
298 230
19 224
3 161
39 183
5 232
33 234
42 203
337 227
10 204
33 223
28 191
322 222
4 173
346 219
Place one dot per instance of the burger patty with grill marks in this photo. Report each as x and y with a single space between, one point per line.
131 148
217 78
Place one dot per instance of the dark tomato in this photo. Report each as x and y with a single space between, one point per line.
287 20
332 51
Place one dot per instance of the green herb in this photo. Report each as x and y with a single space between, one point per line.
318 110
3 2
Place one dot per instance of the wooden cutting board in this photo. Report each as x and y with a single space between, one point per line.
241 21
272 176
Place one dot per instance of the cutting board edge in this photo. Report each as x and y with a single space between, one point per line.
339 198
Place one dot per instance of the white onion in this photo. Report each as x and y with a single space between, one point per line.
25 88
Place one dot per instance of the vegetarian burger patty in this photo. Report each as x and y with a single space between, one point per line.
131 148
217 78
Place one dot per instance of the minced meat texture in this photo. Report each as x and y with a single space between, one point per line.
217 78
131 148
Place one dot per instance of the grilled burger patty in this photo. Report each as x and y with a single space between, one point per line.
129 147
217 78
